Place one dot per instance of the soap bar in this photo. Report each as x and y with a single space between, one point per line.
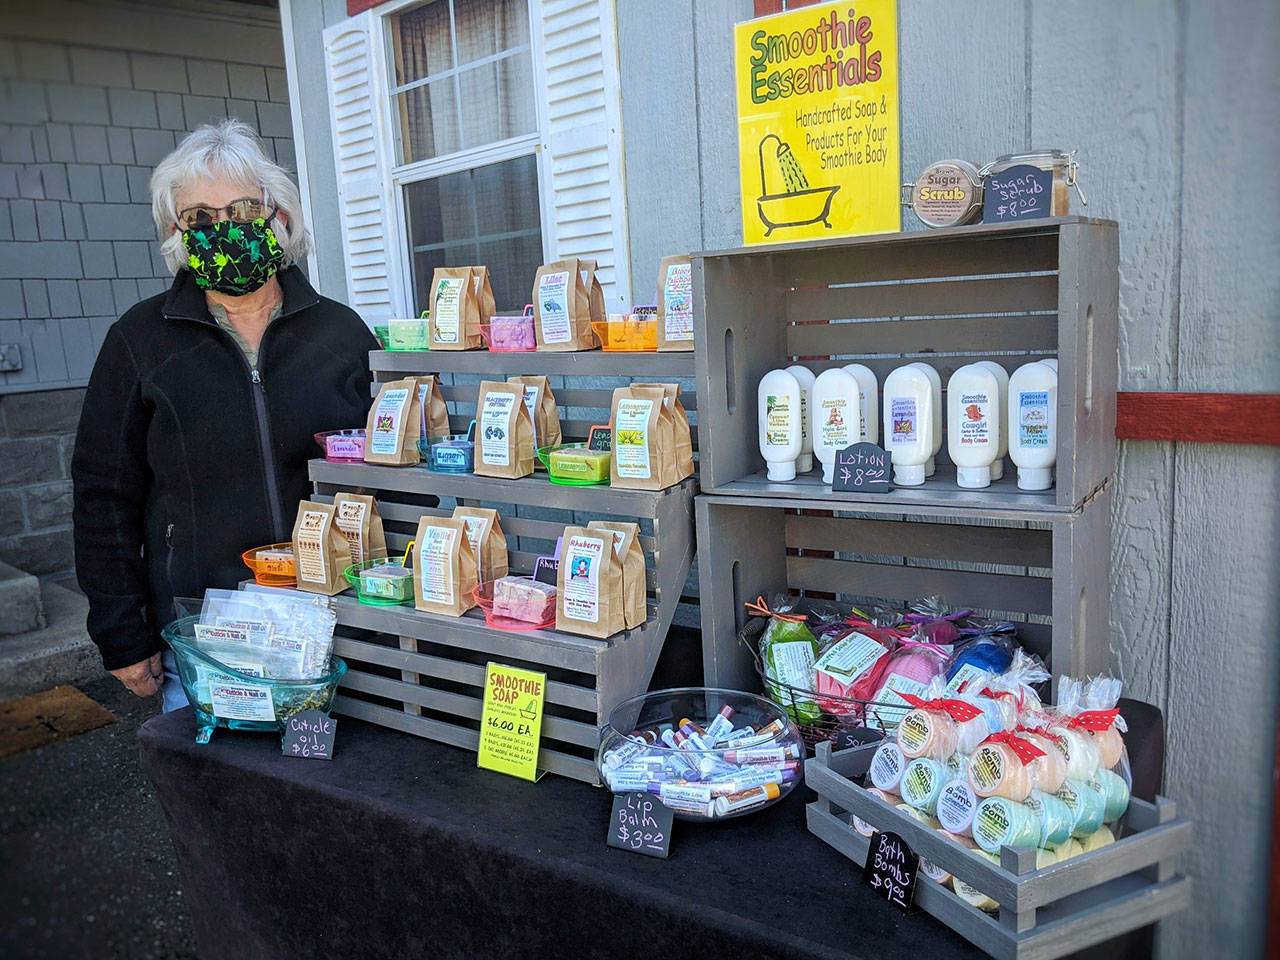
453 456
277 562
519 598
343 446
408 334
579 463
512 334
389 581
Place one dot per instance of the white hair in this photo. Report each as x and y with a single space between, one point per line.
231 151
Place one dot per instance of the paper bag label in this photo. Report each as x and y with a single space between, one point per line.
311 548
582 578
677 302
553 300
350 520
444 310
435 566
495 421
386 422
631 439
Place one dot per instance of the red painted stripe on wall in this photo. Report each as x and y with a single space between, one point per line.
1199 417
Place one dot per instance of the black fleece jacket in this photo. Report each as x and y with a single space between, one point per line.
186 457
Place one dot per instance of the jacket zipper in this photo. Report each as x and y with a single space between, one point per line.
268 456
168 558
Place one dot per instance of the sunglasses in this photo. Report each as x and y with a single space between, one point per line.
244 210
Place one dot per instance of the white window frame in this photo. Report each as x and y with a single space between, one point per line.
405 174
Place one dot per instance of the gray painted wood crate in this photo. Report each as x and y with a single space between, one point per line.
1046 570
1043 914
1009 293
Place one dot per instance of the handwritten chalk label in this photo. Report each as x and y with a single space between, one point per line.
891 869
309 735
546 570
857 737
641 823
862 468
600 438
1023 192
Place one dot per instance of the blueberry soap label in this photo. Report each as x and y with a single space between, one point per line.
495 423
1033 418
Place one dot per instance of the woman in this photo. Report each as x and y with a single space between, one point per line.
198 420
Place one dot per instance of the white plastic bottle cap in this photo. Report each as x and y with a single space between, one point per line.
1035 478
973 477
908 474
783 471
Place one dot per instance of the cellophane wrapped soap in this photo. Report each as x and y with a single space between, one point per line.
519 598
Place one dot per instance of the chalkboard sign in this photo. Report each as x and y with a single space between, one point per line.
891 869
309 734
1023 192
600 438
641 823
546 570
857 737
862 468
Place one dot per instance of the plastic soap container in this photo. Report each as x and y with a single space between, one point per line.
778 417
836 410
573 464
452 454
868 401
409 333
973 424
510 334
628 332
939 415
908 423
1033 424
805 377
1002 378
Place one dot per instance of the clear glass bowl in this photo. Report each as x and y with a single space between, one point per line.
743 774
281 698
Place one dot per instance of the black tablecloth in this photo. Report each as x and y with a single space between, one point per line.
401 847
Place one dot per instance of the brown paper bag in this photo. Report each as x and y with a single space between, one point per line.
626 544
489 543
455 309
356 517
589 598
562 308
484 293
444 567
320 551
542 409
675 304
504 432
433 415
644 445
595 292
684 440
391 435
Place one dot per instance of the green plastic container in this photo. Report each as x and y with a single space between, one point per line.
572 464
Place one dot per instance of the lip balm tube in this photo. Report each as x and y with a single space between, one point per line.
927 733
693 792
996 771
696 735
623 753
887 765
1054 816
629 782
754 797
957 806
922 784
713 768
1001 822
772 755
1115 794
1047 772
1110 746
765 734
861 825
668 737
690 761
736 736
691 807
760 776
972 895
676 766
1087 806
1080 751
721 725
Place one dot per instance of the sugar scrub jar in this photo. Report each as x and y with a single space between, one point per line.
1063 166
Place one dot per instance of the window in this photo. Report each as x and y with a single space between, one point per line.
462 99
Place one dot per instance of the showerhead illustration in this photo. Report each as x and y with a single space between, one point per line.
786 199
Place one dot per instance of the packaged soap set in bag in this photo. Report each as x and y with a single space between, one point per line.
320 549
356 517
461 300
563 294
504 431
445 568
591 597
675 304
487 541
543 412
394 425
652 445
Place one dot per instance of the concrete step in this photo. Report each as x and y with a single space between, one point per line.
21 609
58 652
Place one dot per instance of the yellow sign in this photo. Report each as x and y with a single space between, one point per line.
511 721
818 122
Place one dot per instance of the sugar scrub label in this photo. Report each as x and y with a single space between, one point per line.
777 420
834 422
386 422
986 768
902 417
553 298
435 556
631 439
975 419
956 806
1033 418
444 310
311 551
495 421
677 300
349 518
240 701
582 579
850 658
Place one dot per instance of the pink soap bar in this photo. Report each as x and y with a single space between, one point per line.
519 598
512 334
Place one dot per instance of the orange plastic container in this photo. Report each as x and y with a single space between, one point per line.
628 333
273 569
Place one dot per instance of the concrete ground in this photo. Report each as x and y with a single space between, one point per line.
86 865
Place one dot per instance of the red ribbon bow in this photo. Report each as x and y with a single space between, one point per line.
1024 750
1098 720
957 709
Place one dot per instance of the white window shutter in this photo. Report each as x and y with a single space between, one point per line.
576 44
362 143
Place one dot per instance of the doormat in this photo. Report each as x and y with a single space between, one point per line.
57 714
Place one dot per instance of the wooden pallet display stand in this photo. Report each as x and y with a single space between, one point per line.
422 673
1045 913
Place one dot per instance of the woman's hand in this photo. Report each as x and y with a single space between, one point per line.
143 678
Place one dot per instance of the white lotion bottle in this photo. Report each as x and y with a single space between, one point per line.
778 416
973 424
835 417
1002 378
804 376
1033 424
908 423
936 380
868 401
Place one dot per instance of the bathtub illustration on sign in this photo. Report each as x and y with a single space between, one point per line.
796 204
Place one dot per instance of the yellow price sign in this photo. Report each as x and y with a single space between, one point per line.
511 720
818 122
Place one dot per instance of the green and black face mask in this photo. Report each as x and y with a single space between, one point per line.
233 258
